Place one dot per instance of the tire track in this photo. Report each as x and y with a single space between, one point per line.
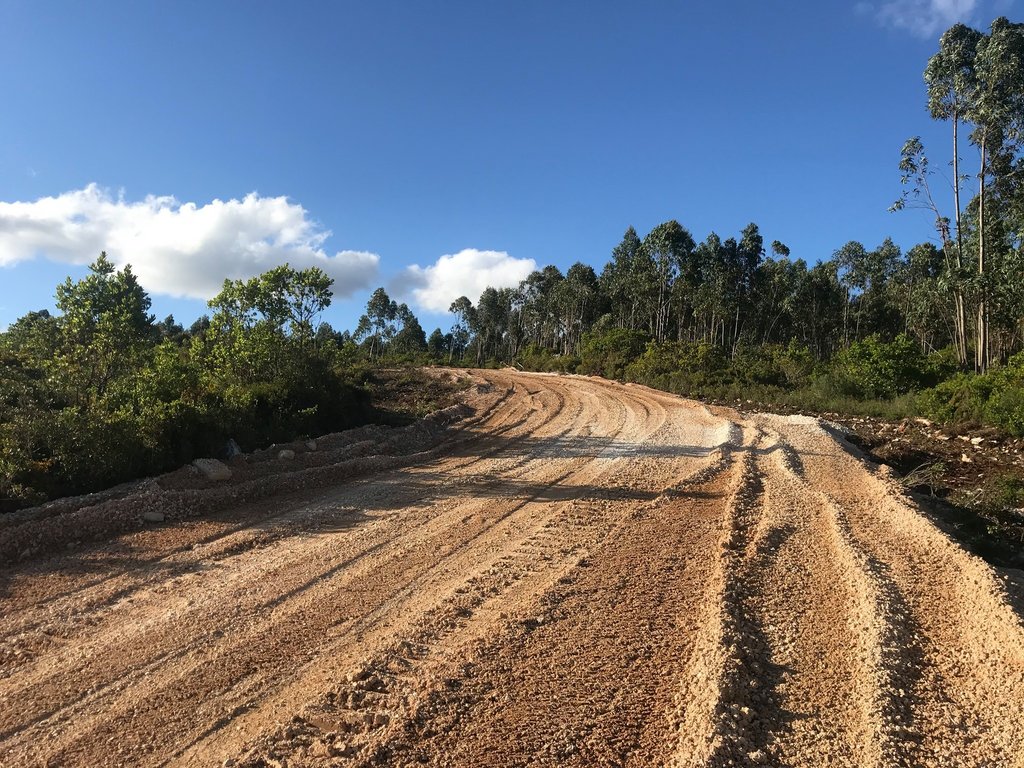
539 458
952 646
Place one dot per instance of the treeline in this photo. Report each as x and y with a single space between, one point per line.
712 319
729 294
721 317
865 330
102 393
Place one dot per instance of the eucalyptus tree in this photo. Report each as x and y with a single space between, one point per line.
671 248
777 282
998 116
976 80
709 287
780 250
378 325
819 302
749 254
490 322
916 173
534 302
410 337
619 280
577 299
439 344
465 324
924 305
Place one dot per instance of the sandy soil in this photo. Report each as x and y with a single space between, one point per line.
578 573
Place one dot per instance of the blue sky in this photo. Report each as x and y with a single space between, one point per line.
436 146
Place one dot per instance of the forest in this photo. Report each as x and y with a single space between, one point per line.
99 391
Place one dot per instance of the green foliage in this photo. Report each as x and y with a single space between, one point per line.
608 354
536 358
775 365
679 366
99 392
995 398
100 395
875 369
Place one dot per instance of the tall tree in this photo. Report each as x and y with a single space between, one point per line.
977 80
377 325
998 116
670 247
105 325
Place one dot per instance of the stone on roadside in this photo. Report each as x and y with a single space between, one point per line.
212 469
286 455
232 449
311 445
151 516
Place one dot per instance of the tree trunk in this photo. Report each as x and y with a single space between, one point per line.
981 336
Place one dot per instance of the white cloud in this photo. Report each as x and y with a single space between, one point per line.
178 249
466 273
923 18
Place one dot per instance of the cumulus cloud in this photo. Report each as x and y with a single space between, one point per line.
466 273
178 249
923 18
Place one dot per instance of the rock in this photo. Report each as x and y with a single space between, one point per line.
212 469
311 445
977 440
286 455
359 674
341 749
151 516
232 449
320 748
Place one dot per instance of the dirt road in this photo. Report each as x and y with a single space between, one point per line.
585 574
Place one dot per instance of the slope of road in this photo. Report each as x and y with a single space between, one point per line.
584 573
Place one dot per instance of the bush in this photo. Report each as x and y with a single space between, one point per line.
875 369
995 398
774 365
608 353
680 366
535 358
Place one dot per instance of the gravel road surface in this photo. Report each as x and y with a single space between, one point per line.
580 573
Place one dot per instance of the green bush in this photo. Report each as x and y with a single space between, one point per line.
535 358
680 366
873 368
995 398
774 365
608 353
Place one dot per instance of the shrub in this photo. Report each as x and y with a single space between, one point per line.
995 398
875 369
535 358
774 365
680 366
608 353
